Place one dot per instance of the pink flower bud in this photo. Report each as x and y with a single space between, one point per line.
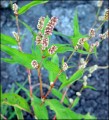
41 23
34 64
92 32
52 49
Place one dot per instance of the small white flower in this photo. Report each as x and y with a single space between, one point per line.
78 94
65 66
34 64
89 75
99 3
85 78
71 100
85 84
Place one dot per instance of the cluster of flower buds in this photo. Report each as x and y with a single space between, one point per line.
44 43
39 38
92 32
93 68
65 66
16 36
41 23
52 49
99 3
50 26
96 44
81 41
34 64
78 94
106 15
104 35
83 63
15 8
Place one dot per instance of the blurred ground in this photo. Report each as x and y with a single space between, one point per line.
95 102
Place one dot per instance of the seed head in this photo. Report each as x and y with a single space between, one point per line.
50 26
41 23
92 32
39 38
15 8
52 49
34 64
81 41
65 66
106 15
45 42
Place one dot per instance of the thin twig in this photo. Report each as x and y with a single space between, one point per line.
3 117
51 86
40 80
30 86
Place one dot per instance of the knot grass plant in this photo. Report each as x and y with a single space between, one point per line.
46 55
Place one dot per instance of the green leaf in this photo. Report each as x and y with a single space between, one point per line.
29 5
8 60
76 24
55 60
7 40
75 102
86 46
40 111
59 95
20 57
65 113
90 87
52 67
19 113
83 52
77 75
15 100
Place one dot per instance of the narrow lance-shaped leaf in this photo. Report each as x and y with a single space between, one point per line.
15 100
20 57
65 113
90 87
52 75
19 113
77 75
52 67
7 40
40 111
29 5
75 102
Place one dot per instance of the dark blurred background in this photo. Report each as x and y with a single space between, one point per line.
95 102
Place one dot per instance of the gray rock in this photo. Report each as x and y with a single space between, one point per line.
4 4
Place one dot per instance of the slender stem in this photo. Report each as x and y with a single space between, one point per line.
30 86
103 67
40 80
51 86
100 26
64 94
3 117
70 56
